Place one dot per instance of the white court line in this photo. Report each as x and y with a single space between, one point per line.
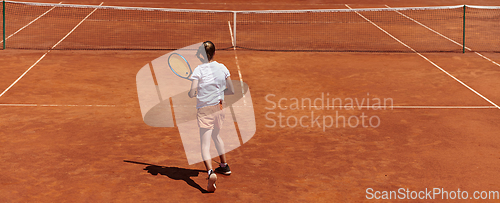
237 62
305 107
75 27
435 65
73 105
373 107
444 107
405 107
469 49
18 105
391 107
29 23
487 58
53 105
20 77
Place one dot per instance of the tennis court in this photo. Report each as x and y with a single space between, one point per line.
72 129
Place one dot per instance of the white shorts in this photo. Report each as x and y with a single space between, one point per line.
210 117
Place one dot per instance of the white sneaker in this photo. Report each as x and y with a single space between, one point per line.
211 182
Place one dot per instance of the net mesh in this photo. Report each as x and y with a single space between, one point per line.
482 28
350 30
113 27
425 29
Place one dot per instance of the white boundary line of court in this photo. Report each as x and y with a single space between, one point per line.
469 49
29 23
428 60
444 107
54 105
304 107
237 61
393 107
38 61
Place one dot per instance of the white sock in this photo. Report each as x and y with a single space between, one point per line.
223 165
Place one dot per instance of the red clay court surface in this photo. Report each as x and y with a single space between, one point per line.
79 137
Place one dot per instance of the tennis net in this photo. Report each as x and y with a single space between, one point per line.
425 29
482 28
112 28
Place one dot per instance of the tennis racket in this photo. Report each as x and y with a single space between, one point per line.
179 65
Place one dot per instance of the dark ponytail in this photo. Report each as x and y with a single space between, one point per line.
209 49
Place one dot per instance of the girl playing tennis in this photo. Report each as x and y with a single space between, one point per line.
210 81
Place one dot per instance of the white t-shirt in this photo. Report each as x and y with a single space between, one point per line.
211 83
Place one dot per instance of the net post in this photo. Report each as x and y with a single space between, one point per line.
234 28
463 28
3 20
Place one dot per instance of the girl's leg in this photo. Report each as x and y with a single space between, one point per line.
219 144
207 159
205 147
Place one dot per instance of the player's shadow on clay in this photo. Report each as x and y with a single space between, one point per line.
174 173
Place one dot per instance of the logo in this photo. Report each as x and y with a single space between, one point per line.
162 88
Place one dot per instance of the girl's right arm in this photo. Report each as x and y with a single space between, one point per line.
194 87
